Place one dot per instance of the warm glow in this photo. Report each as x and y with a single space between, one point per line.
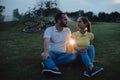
72 41
70 45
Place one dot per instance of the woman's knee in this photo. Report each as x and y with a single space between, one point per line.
91 47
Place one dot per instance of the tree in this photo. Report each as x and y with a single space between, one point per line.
102 16
50 4
115 16
89 15
1 11
95 18
16 13
47 7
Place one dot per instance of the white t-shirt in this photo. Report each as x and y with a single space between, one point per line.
57 38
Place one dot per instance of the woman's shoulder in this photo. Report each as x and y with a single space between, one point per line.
90 33
76 32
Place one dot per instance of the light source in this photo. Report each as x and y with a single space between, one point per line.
72 41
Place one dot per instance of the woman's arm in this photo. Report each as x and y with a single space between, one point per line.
79 49
91 42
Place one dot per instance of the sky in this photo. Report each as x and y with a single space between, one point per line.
95 6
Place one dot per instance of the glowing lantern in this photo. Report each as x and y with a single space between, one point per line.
71 45
72 41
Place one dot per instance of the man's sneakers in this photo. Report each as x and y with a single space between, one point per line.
43 65
51 71
94 71
46 71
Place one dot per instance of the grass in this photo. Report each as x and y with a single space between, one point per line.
20 53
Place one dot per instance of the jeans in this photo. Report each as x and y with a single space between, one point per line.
58 58
88 57
64 57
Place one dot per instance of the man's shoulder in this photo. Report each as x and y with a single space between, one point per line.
67 29
48 31
50 28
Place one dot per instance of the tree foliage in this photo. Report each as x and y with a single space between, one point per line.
1 9
16 13
101 17
44 8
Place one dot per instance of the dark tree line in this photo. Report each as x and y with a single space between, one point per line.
101 17
50 8
112 17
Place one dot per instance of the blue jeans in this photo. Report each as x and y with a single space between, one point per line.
58 58
88 57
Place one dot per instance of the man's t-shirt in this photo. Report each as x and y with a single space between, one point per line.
57 38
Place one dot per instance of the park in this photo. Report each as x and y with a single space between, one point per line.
20 50
20 53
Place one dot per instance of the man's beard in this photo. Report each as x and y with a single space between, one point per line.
63 24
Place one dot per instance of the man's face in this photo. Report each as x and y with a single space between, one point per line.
64 21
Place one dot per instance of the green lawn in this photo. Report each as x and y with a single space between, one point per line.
20 53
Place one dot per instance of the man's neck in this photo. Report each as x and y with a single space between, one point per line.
59 28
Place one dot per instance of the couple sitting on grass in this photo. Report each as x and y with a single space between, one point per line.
57 38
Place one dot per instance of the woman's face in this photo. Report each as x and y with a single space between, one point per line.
80 24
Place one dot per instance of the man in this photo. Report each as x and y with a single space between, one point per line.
55 39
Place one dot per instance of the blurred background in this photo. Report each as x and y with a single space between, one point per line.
95 10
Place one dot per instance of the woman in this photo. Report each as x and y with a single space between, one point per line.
83 47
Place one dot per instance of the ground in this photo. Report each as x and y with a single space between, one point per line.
20 53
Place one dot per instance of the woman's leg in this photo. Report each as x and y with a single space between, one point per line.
91 53
86 59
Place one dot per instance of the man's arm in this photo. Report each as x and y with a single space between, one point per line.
46 43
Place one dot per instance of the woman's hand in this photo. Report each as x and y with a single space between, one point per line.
83 50
80 49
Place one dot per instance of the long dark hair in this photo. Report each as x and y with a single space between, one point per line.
85 20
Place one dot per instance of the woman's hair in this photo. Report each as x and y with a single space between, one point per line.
85 20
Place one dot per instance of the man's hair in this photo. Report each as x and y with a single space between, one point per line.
58 16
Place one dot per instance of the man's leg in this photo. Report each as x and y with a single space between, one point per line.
63 58
50 66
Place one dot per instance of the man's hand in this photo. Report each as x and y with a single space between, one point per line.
45 56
